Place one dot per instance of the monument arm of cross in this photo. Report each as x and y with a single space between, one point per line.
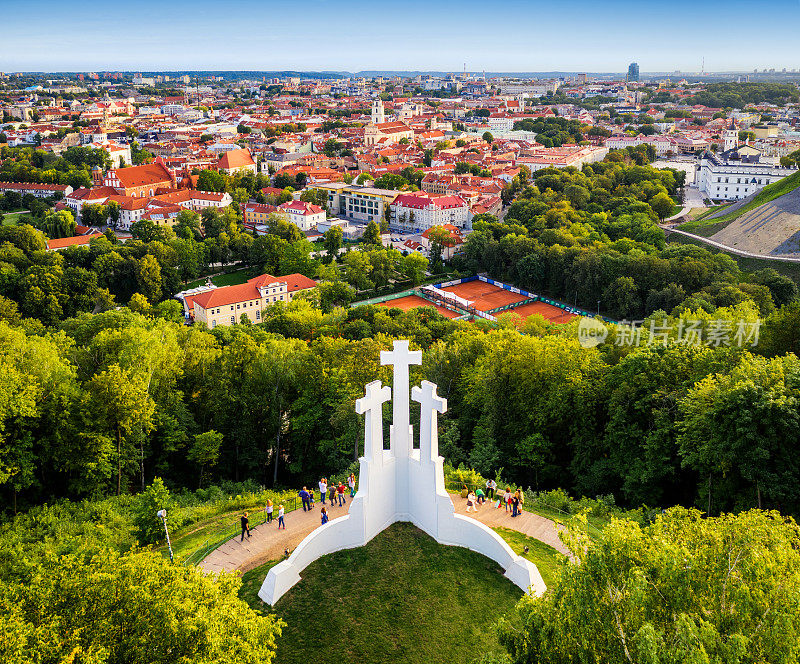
430 404
371 404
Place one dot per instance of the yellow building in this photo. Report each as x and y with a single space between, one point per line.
227 305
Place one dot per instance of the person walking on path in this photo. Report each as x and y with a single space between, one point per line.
324 516
311 497
245 527
269 511
281 524
323 489
332 494
491 485
351 482
306 498
340 491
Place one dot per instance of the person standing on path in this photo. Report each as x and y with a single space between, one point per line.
269 511
245 527
306 498
351 482
340 491
332 494
515 504
508 498
491 485
324 516
281 524
323 489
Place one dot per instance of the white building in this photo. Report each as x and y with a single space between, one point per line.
303 215
737 173
420 210
501 122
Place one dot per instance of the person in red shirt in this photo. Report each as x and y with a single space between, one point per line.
340 491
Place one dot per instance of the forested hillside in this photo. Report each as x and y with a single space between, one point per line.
108 401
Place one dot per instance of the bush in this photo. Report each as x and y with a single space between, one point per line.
558 499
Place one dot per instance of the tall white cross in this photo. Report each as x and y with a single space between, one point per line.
371 404
401 357
430 405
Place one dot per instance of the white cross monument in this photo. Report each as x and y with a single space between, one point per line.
400 484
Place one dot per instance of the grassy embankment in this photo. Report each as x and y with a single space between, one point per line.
791 270
707 227
370 604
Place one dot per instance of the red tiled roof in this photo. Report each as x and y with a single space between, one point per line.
300 207
298 282
62 243
32 186
92 194
422 200
235 159
220 297
144 175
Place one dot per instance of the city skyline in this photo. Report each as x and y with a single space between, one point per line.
441 37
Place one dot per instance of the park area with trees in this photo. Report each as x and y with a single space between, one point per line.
111 405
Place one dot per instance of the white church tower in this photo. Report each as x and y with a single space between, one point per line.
730 137
377 112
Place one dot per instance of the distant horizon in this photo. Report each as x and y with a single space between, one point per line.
526 36
404 72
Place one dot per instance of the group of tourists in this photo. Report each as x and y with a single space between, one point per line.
511 500
331 495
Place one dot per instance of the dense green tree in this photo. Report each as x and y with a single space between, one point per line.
372 234
132 608
684 589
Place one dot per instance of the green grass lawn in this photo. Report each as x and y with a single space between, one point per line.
377 599
545 557
13 218
228 279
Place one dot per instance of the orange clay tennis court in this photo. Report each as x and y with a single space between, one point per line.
414 301
547 311
484 296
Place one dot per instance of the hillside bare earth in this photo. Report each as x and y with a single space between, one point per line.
772 228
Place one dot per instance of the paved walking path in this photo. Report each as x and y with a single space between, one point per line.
267 543
527 523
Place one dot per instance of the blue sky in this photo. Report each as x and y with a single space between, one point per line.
509 35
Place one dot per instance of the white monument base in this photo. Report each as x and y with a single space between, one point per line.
400 484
